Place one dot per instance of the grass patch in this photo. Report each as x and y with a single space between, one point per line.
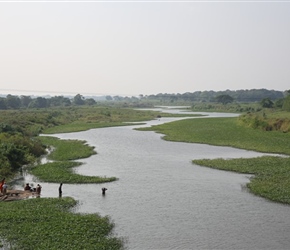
77 127
47 223
67 149
271 174
62 171
224 132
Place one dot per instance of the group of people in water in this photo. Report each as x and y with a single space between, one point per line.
37 190
27 187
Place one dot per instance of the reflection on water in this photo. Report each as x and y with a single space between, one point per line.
163 201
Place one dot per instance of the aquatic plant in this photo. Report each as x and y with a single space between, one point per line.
62 172
67 149
224 132
48 223
271 178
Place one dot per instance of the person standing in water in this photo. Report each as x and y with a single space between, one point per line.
104 191
60 190
38 189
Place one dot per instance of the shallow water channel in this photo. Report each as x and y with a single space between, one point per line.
163 201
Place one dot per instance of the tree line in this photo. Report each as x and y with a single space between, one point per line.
252 95
18 102
227 96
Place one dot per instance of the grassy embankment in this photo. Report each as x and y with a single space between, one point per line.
272 174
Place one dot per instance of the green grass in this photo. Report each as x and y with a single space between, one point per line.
224 132
67 149
61 171
271 174
80 126
47 223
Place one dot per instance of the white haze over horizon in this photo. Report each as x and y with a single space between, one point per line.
143 47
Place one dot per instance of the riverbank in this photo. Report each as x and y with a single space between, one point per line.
271 178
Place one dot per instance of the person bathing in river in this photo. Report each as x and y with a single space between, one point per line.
27 187
38 189
104 191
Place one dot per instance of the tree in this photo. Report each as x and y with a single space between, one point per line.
224 99
39 102
90 101
3 103
13 101
79 100
25 101
286 103
267 103
59 101
109 98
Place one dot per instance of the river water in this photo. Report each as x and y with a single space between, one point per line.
163 201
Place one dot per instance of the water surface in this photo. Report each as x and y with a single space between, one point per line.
163 201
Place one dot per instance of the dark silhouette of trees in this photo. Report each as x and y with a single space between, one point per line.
79 100
267 103
224 99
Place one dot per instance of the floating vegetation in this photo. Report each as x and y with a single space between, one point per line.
47 223
62 172
271 174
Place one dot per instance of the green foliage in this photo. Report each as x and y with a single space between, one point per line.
229 107
224 132
79 100
266 121
62 172
17 150
279 103
13 102
224 99
286 104
47 223
272 174
67 149
266 103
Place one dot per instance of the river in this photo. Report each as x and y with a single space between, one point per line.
163 201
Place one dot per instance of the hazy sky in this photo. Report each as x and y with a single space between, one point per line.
132 48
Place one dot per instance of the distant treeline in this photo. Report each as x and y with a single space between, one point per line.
16 102
245 96
252 95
